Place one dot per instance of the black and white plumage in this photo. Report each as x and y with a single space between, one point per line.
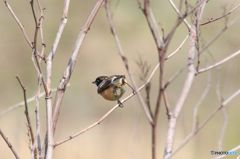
111 87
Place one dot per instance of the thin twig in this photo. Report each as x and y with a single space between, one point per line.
18 22
108 113
212 20
179 21
9 144
190 136
180 46
223 109
40 28
167 105
21 27
202 50
126 62
161 48
219 63
203 96
178 12
37 136
156 26
69 70
51 56
224 127
50 59
27 114
22 103
34 47
187 85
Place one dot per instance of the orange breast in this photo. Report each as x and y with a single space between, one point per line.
112 93
108 94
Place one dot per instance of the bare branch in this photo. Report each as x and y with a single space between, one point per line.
41 32
22 103
190 136
37 136
26 112
160 44
9 144
180 46
212 20
186 87
223 109
179 15
22 28
202 50
50 59
219 63
126 62
203 96
167 105
18 22
69 70
224 127
108 113
156 26
146 12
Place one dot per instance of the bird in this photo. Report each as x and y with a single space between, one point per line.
112 87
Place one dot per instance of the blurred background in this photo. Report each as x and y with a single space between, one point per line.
126 133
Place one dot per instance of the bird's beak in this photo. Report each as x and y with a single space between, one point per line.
94 82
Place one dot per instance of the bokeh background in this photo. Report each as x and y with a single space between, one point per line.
126 133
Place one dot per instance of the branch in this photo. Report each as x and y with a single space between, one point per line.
188 82
22 103
161 48
204 94
18 22
202 50
212 20
51 56
167 105
179 15
37 136
9 144
219 63
22 28
190 136
41 32
108 113
224 127
26 112
126 62
180 46
69 70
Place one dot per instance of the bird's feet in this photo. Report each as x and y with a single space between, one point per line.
120 103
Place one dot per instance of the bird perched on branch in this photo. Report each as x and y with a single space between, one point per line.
112 87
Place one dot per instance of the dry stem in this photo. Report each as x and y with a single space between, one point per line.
187 85
9 144
190 136
212 20
27 114
69 70
126 63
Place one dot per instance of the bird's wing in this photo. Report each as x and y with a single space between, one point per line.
104 85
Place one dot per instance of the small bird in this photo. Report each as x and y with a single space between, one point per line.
112 88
